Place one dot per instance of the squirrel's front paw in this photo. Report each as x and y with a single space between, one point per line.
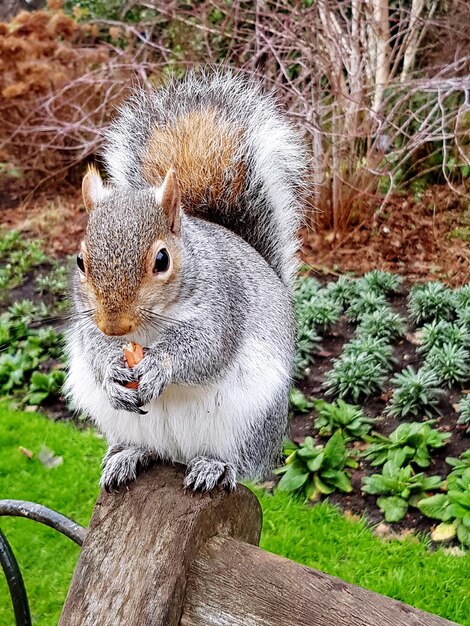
119 396
153 374
203 474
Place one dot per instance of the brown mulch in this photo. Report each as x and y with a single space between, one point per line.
412 237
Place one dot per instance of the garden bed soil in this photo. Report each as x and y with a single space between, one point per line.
405 354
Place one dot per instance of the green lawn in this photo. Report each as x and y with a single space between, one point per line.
319 537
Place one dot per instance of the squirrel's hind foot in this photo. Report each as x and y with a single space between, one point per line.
122 464
203 474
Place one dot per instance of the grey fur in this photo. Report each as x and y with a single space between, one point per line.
226 298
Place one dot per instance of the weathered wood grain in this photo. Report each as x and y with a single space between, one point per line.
235 584
141 542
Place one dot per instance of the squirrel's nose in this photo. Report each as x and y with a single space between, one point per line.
115 326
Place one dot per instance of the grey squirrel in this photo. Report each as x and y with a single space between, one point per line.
190 251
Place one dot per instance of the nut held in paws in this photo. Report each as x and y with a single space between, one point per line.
133 353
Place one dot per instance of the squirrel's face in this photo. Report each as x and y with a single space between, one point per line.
129 266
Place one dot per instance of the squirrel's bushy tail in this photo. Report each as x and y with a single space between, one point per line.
239 162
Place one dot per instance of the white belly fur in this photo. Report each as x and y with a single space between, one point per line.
187 421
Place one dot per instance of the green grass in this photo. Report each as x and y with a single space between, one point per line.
317 536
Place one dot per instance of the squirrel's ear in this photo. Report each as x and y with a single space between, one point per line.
170 200
93 190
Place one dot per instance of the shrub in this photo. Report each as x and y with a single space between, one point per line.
409 443
343 417
431 301
43 386
382 324
355 376
307 338
398 488
414 392
450 363
316 470
463 296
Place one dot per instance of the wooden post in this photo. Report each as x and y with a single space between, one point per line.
156 556
141 542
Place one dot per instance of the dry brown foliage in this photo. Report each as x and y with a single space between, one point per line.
58 87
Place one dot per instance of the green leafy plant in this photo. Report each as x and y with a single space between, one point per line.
376 347
17 257
438 333
464 412
316 470
459 465
452 508
381 282
414 393
450 363
409 443
366 302
399 488
45 385
343 417
298 402
54 282
355 376
430 301
383 323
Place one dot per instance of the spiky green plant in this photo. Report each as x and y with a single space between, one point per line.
376 347
463 296
342 291
339 415
383 323
430 301
408 443
355 376
437 333
366 302
464 412
450 363
415 392
307 340
381 282
321 312
463 316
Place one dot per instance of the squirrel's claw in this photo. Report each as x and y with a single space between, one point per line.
203 474
121 466
153 374
121 397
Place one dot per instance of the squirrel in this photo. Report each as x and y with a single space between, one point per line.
190 250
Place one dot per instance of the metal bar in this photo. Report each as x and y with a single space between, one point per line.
44 515
15 583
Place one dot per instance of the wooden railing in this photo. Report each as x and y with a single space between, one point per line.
156 556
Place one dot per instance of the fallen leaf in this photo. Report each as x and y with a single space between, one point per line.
48 458
26 452
443 532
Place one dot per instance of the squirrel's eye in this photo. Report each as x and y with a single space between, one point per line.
80 263
162 261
